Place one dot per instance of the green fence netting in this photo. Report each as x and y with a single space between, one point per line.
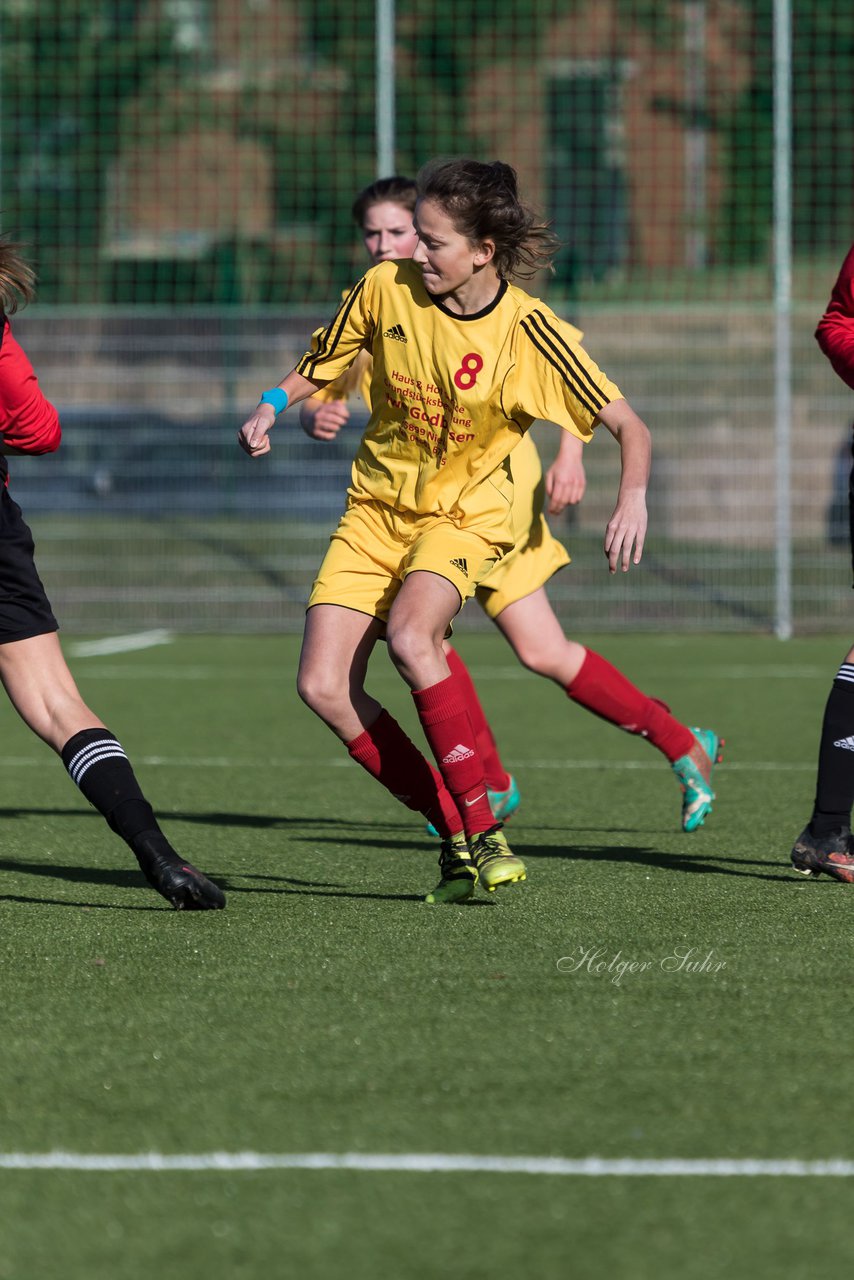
183 170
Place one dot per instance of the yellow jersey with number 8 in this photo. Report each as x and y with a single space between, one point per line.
451 396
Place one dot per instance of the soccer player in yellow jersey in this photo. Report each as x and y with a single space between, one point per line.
383 211
463 363
513 594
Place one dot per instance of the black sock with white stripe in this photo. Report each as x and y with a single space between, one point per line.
835 785
99 767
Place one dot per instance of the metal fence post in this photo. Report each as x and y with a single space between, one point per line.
385 88
783 314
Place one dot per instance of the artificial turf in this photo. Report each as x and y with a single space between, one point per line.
328 1009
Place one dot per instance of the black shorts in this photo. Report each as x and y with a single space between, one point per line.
851 506
24 607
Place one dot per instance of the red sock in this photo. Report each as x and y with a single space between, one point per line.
395 761
446 724
606 692
497 777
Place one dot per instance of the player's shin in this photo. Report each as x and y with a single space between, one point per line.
496 776
602 689
390 756
448 729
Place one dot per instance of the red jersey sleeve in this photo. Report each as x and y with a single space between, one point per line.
835 332
28 421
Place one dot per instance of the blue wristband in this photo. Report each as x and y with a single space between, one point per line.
277 398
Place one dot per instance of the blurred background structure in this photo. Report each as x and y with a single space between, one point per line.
182 171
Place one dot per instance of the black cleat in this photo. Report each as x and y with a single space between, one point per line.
833 854
179 881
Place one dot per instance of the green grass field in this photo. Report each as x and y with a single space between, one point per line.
328 1010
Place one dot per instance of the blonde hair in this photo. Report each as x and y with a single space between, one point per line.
17 278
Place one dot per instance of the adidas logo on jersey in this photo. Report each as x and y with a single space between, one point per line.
462 565
847 744
458 754
396 332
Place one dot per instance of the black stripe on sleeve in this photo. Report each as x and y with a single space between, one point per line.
553 346
558 342
332 335
582 368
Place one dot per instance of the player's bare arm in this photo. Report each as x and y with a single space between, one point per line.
626 530
254 436
565 479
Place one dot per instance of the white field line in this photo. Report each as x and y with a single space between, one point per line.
204 671
416 1162
339 762
120 644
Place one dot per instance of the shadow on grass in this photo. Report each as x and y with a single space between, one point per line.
693 864
118 879
279 885
589 852
377 837
218 818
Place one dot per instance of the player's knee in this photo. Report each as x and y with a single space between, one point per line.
532 655
555 661
410 647
320 690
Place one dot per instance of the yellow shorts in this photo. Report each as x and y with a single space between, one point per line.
537 554
524 569
375 548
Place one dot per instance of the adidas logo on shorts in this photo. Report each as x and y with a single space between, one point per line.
847 744
462 565
458 754
396 332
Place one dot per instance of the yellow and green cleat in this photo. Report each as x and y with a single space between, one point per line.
459 874
495 861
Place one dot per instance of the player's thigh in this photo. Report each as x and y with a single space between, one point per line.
42 690
536 636
336 647
419 620
425 604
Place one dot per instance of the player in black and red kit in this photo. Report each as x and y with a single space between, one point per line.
826 843
33 670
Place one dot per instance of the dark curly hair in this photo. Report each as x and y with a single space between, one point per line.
483 202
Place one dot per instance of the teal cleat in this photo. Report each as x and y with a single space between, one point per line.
502 803
459 874
694 775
